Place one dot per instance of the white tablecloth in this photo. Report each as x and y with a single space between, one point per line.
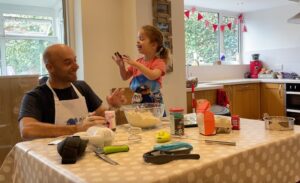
259 156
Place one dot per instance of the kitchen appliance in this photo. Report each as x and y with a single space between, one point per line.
293 101
255 66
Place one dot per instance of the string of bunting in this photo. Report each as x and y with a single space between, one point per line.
239 20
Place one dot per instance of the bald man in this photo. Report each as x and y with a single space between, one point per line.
63 105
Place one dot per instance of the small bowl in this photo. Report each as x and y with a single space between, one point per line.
144 115
279 123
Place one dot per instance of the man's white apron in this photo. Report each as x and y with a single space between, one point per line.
69 112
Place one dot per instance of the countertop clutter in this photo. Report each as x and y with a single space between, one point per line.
217 84
259 155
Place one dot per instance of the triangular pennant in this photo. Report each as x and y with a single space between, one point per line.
229 26
244 28
206 23
241 18
199 16
187 13
236 21
193 9
215 26
222 28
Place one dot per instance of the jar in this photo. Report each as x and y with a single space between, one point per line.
177 121
110 118
235 121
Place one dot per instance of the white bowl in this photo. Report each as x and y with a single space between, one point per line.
144 115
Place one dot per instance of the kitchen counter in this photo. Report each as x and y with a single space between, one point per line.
217 84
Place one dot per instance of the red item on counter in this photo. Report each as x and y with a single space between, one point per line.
193 98
255 68
222 98
235 122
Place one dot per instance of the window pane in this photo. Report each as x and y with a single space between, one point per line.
201 42
231 40
25 56
27 25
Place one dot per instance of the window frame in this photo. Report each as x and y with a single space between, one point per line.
24 10
220 35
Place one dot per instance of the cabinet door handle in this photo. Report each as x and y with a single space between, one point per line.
280 91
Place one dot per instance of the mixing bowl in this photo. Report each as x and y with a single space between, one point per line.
144 115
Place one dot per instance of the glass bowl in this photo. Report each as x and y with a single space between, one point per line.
144 115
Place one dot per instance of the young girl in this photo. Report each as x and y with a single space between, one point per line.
147 71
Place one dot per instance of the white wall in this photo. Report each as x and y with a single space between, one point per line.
217 72
277 41
112 25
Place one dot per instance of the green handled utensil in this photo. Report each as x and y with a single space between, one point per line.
115 149
102 152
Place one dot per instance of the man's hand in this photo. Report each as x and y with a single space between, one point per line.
89 121
117 98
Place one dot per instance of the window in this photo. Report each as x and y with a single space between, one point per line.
204 45
25 32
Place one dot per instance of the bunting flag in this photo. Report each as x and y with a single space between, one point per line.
187 13
207 23
239 20
222 28
244 29
229 26
199 16
236 21
215 26
193 9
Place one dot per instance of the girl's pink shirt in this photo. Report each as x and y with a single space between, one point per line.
156 63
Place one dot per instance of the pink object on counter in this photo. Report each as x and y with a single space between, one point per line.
255 68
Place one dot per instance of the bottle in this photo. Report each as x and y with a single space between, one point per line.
177 121
110 118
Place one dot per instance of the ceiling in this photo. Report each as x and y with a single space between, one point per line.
238 5
39 3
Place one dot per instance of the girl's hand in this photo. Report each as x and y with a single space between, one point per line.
118 60
129 61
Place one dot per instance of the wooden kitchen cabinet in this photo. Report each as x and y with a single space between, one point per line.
210 95
244 100
12 91
272 99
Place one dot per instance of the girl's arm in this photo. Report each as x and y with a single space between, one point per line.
149 73
123 72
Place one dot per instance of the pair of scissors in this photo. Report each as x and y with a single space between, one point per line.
168 152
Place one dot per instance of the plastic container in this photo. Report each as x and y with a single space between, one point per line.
177 121
110 118
235 122
279 123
